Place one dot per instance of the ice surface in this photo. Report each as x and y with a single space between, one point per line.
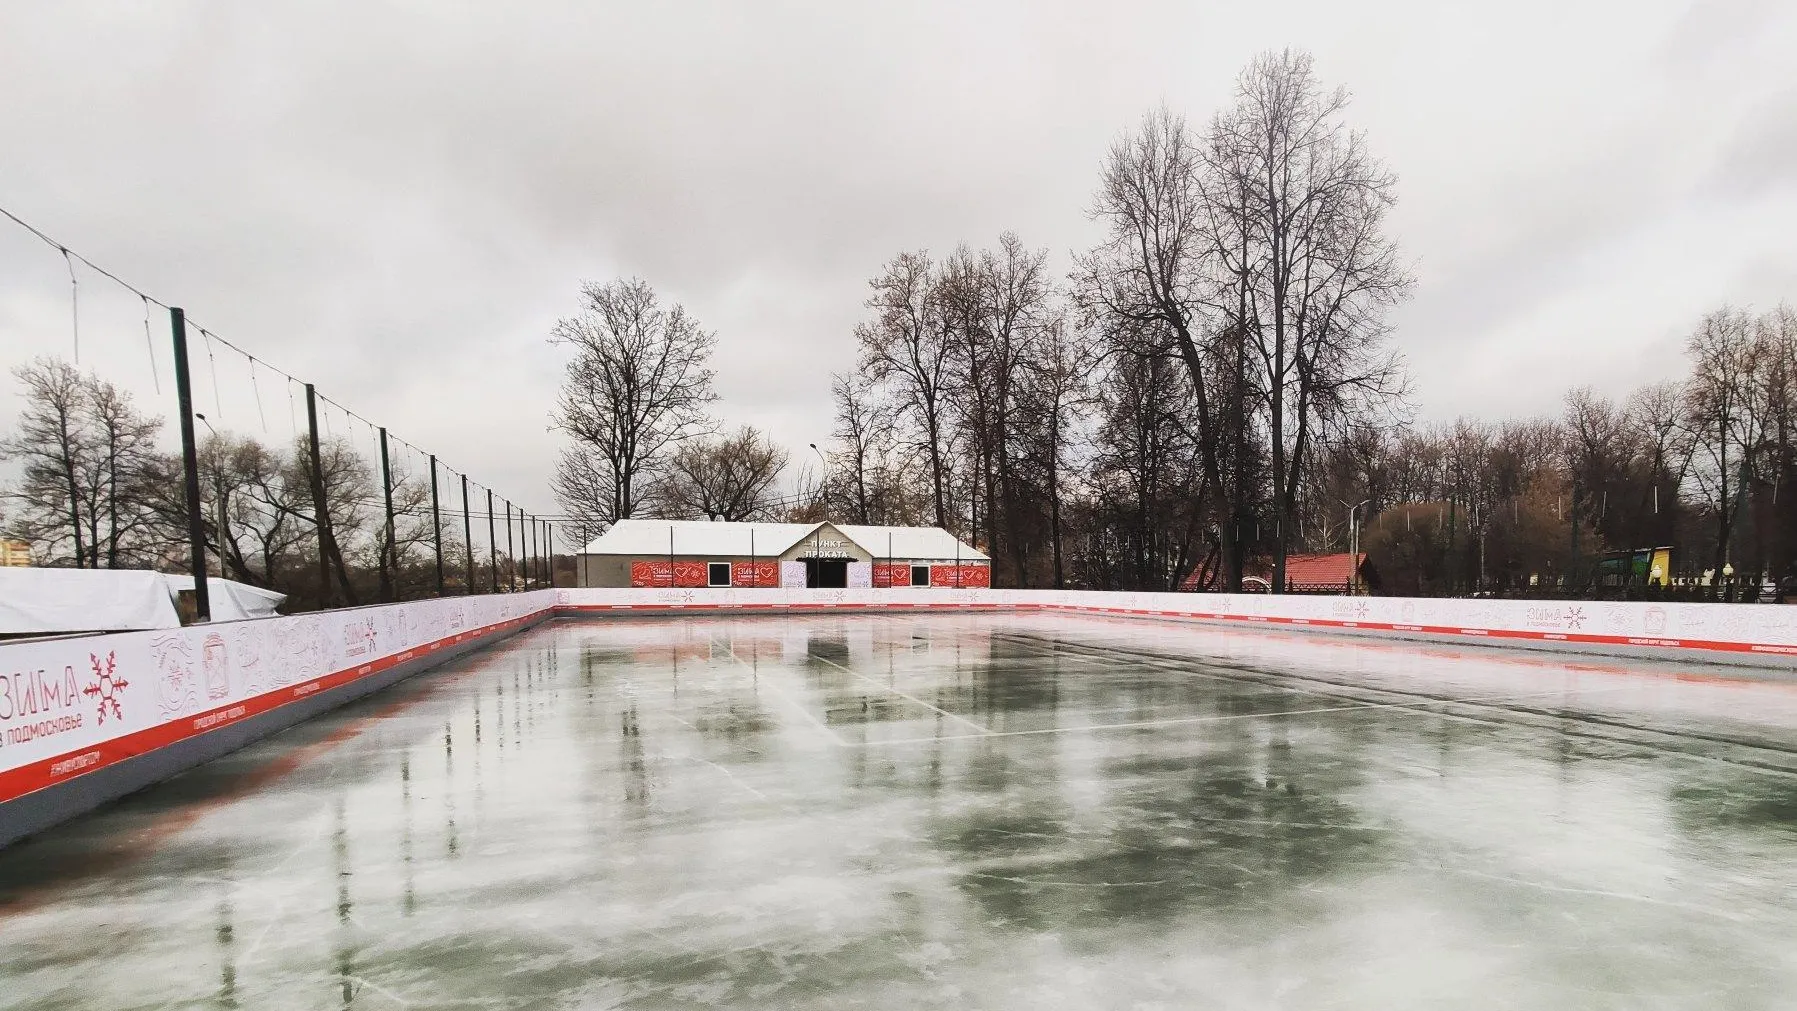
1021 812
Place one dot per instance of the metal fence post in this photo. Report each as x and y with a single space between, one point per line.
437 524
390 552
321 510
492 548
190 465
467 534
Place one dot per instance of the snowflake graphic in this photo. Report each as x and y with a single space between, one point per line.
106 689
1575 617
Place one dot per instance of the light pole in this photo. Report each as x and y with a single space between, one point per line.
218 510
823 484
1353 543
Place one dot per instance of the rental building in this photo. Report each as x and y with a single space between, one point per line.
698 553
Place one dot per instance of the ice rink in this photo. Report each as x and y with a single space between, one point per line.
999 812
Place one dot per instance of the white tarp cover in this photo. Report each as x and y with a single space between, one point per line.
50 601
229 599
55 601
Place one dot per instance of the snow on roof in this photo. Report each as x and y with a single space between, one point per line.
740 540
932 543
697 537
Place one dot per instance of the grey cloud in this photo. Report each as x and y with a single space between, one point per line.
1762 153
398 200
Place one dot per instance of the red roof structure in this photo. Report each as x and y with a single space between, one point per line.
1305 574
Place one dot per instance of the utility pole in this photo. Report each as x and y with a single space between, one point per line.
1353 543
190 465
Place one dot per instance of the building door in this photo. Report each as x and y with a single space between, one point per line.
827 573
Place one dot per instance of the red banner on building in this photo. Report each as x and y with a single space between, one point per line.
691 574
892 574
954 576
755 574
651 574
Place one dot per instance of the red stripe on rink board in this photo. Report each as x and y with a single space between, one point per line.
1380 626
60 768
30 778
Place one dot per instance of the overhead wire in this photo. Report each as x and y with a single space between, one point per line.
150 346
218 402
257 390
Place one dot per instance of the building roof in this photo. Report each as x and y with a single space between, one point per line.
911 542
697 537
1321 570
649 538
1300 570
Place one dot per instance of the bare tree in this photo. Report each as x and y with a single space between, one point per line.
1325 274
729 479
1146 481
54 444
1056 386
862 428
906 345
89 469
1719 405
582 485
1656 413
1147 280
637 387
119 490
1013 303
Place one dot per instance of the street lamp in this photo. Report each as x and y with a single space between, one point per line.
823 484
1353 543
218 508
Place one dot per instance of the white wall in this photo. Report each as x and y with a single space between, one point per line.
77 704
1733 632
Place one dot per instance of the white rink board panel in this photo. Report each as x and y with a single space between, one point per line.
76 705
1746 631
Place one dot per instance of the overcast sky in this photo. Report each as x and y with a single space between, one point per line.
396 201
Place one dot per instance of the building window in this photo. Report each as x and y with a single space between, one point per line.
719 574
920 575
